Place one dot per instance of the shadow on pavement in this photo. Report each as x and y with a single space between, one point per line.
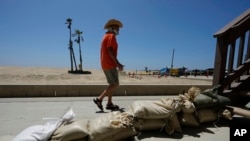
195 132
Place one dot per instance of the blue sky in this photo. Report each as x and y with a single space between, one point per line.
34 33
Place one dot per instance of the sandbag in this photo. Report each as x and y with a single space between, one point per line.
109 125
150 109
211 98
192 93
44 132
37 132
187 107
149 124
188 119
213 92
204 101
173 125
172 104
210 92
176 123
207 115
76 130
222 102
124 134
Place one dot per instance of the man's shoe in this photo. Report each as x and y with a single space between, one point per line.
98 103
112 107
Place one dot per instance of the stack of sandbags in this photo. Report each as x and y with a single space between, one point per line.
187 114
113 126
192 117
208 103
155 115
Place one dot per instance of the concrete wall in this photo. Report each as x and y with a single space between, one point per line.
91 90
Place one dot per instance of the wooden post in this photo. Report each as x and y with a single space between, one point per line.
220 61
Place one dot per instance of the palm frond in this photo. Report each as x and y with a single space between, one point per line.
68 21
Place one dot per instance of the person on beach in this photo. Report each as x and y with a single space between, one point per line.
110 63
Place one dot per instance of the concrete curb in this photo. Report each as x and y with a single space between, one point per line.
91 90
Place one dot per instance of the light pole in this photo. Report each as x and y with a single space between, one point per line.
172 60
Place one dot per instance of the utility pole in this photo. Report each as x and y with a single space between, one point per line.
172 60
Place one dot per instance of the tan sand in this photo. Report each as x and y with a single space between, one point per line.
13 75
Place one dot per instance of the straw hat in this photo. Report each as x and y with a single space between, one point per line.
113 22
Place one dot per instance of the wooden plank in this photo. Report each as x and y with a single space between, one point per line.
232 23
239 111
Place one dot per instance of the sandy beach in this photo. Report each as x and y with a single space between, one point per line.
15 75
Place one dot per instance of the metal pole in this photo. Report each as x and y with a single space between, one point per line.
172 60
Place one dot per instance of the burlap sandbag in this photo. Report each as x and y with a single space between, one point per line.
188 119
172 104
173 125
108 125
207 115
187 107
150 109
73 131
123 135
211 98
149 124
204 101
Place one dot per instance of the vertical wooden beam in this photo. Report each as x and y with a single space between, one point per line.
220 61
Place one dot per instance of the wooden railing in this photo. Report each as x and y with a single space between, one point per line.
232 56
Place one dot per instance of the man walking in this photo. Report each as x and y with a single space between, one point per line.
110 63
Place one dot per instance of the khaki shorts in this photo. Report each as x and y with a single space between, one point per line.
112 76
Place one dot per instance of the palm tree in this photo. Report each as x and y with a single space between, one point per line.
72 55
78 40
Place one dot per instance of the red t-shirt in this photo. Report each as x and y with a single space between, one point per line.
109 40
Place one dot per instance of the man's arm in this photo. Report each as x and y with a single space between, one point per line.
111 54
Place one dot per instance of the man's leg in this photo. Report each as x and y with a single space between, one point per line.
108 92
113 80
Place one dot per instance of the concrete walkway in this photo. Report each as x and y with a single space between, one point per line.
20 113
